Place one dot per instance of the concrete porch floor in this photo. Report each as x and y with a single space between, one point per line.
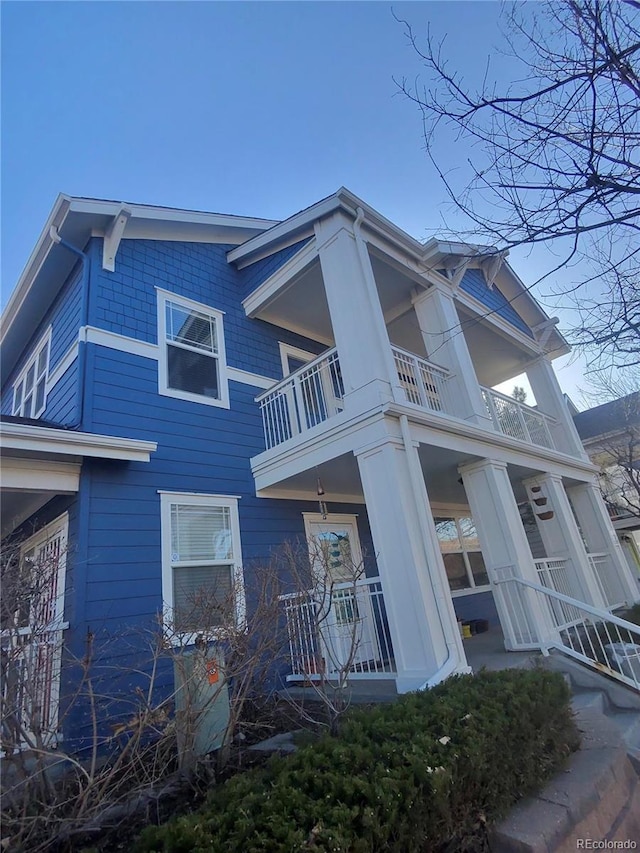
487 651
483 651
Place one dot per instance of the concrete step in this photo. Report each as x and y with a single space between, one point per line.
594 699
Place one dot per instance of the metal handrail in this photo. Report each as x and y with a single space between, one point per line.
282 383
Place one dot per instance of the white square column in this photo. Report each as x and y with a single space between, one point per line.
551 401
505 549
444 341
562 540
616 577
422 622
359 329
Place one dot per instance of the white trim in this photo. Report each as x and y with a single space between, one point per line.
222 401
265 293
59 526
112 237
122 343
235 374
40 475
32 361
472 590
62 366
167 500
286 350
70 443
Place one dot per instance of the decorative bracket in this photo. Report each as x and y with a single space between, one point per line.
491 266
112 238
542 331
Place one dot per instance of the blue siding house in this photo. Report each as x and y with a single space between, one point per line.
183 392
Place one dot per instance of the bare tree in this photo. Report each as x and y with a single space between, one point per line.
556 153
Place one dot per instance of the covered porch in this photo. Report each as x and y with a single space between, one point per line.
448 532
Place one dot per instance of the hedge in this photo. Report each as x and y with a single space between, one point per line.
421 774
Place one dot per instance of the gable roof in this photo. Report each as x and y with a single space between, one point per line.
609 417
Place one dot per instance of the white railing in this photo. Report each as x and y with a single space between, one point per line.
555 574
595 637
517 419
30 683
304 399
423 383
337 630
609 581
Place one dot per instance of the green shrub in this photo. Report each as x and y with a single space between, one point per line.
404 777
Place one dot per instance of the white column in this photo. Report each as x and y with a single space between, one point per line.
550 400
440 326
506 553
561 537
422 621
356 314
602 539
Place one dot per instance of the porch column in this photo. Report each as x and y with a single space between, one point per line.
561 537
422 621
550 401
356 314
505 549
618 579
440 326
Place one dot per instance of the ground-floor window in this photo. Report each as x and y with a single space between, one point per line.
202 581
460 549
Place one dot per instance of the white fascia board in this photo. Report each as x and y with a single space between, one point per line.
507 329
284 229
40 475
266 292
37 439
34 264
455 434
343 200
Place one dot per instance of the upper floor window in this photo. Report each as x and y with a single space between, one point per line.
30 388
202 571
192 363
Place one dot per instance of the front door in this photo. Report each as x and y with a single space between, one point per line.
345 616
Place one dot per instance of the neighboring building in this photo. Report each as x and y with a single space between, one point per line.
178 387
611 436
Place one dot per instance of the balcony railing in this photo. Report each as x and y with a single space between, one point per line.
314 394
423 383
517 419
302 400
611 586
337 630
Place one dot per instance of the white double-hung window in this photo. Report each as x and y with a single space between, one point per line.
192 363
202 580
30 388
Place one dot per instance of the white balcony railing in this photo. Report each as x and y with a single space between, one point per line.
337 630
423 383
611 586
517 419
314 394
556 575
302 400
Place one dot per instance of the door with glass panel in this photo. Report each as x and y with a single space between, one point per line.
346 625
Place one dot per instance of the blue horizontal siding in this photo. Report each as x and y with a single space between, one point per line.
61 400
474 283
479 605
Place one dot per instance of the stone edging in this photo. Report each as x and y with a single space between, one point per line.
596 797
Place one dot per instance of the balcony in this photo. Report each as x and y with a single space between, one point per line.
315 393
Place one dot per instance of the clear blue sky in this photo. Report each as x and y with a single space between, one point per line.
235 107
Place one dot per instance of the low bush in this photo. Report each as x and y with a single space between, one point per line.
419 775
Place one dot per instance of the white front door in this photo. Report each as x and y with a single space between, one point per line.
346 623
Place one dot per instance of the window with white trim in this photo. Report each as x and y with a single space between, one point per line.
30 388
461 553
192 364
202 581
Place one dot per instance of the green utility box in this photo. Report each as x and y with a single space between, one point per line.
202 701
